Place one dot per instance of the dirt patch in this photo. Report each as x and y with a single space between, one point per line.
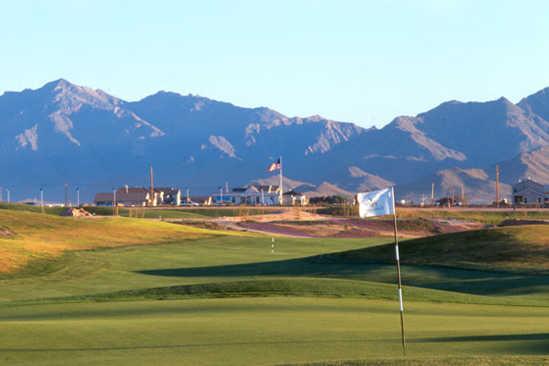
288 214
6 233
273 228
210 225
357 228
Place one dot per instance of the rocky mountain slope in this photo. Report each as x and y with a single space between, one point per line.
65 133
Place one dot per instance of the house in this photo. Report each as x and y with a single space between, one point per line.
139 196
528 192
260 195
124 197
252 195
294 198
168 196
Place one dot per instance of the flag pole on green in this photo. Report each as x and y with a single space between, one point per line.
381 203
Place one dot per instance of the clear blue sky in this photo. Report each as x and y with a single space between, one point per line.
359 61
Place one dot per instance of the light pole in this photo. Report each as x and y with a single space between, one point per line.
77 196
114 204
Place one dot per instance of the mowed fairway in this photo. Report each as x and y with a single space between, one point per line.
262 331
218 298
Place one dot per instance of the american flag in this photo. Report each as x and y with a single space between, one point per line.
274 166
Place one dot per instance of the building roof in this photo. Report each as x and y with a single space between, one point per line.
103 197
122 196
167 189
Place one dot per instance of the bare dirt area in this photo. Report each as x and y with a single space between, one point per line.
288 214
357 228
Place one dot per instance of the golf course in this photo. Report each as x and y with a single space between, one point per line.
140 291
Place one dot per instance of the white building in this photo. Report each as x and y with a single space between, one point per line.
250 195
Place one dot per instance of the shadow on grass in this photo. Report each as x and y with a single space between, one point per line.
476 282
196 345
486 338
533 343
529 343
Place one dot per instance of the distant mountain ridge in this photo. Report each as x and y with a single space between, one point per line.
65 133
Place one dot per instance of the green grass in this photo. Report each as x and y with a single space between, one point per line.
28 237
178 213
490 217
149 213
266 331
439 361
203 297
523 248
29 208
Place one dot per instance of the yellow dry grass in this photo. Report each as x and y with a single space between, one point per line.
30 235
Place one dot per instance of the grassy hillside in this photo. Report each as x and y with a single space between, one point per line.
524 248
90 293
151 213
28 236
491 217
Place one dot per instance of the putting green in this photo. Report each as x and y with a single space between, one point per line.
263 331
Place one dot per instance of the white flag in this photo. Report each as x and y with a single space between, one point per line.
376 203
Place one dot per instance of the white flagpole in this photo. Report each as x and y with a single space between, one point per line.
281 188
399 278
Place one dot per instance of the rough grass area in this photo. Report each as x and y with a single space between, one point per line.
151 213
179 213
524 248
31 236
490 217
441 361
30 208
307 287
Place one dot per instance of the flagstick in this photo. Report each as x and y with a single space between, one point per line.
399 278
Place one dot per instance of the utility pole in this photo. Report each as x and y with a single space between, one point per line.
227 187
151 189
66 204
281 183
462 194
188 196
42 199
114 203
497 186
77 196
433 193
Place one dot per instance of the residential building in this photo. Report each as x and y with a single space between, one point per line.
140 196
259 195
528 192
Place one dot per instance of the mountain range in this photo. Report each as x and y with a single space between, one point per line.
65 133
